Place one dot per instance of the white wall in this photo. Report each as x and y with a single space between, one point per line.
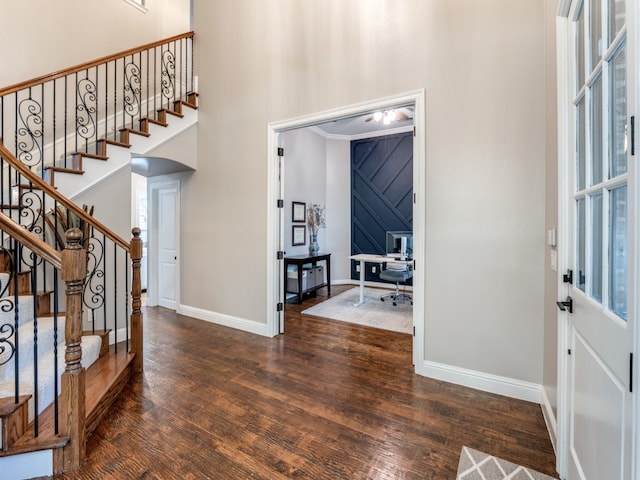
550 366
65 33
481 63
305 180
317 170
339 207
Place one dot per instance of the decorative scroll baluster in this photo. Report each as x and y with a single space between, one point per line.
29 133
86 109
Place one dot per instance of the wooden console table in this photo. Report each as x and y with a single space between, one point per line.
302 260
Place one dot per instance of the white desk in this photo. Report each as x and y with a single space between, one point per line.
372 258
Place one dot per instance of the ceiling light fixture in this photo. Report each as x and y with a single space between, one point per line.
387 116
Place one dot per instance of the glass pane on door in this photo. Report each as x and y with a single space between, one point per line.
616 18
580 53
618 252
618 161
581 146
596 31
596 247
596 132
580 244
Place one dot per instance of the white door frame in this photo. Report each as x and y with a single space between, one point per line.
153 241
274 273
565 127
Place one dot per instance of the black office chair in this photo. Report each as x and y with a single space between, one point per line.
397 273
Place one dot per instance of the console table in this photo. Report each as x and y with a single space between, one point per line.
302 260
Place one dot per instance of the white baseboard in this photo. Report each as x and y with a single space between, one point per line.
122 335
487 382
550 420
225 320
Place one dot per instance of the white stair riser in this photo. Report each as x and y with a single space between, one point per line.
27 465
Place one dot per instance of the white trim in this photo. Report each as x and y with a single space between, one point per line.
122 335
563 49
225 320
633 308
358 136
417 98
510 387
550 420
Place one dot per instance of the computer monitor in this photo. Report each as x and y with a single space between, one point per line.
400 244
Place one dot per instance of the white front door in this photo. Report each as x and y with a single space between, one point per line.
167 247
599 190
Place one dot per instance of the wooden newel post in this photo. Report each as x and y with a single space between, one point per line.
72 419
136 302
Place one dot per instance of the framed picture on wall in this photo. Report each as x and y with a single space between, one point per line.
298 234
298 212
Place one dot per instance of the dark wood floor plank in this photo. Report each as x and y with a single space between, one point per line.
327 400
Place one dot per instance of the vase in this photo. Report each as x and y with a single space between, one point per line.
314 248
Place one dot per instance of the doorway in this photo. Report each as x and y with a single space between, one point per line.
275 218
164 244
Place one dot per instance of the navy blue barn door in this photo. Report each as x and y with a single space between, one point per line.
381 193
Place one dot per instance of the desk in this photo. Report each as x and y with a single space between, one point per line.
300 261
372 258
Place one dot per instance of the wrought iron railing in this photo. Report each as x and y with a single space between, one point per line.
31 322
47 121
44 125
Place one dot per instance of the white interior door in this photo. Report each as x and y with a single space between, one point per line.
167 247
600 333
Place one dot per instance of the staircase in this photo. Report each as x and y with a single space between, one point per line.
56 380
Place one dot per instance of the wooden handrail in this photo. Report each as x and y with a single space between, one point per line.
94 63
49 190
27 238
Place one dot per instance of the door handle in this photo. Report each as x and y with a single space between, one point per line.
566 305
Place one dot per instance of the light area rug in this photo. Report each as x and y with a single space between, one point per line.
372 313
476 465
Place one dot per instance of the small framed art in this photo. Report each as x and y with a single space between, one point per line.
298 235
298 212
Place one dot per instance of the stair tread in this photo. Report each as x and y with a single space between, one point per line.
8 405
65 170
116 143
173 112
92 155
36 444
136 132
100 377
156 122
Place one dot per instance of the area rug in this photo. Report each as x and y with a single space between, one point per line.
475 465
372 313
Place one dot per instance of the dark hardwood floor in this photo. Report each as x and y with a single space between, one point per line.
327 400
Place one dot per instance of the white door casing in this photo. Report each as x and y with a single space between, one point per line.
598 208
164 244
274 270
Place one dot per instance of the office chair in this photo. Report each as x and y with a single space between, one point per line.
397 273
